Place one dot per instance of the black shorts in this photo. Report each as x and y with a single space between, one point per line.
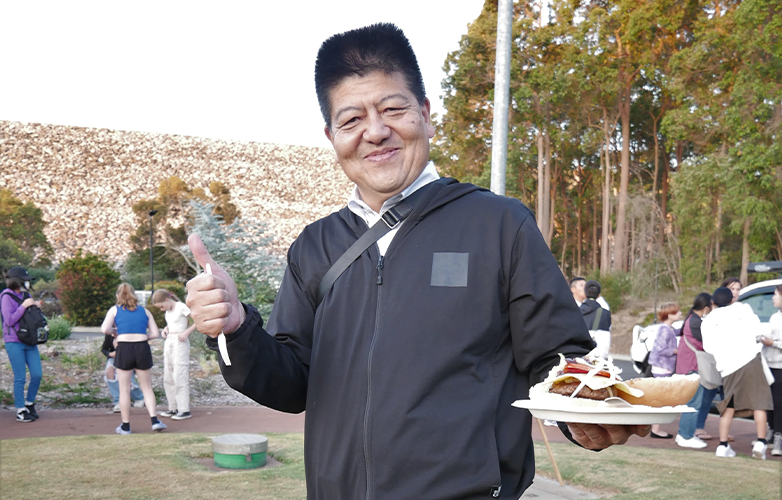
133 355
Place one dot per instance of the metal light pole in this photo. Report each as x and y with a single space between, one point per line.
151 264
499 137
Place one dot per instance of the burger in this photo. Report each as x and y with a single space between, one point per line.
587 381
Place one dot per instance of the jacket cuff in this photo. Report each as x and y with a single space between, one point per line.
252 319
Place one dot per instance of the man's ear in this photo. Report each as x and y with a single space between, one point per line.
426 109
327 131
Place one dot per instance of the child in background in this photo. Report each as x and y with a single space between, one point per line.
176 354
109 350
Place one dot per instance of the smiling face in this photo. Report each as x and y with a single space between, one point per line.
735 288
380 134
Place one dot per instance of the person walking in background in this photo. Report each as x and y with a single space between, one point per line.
22 357
772 351
577 289
663 355
110 375
730 334
691 425
132 352
597 318
176 354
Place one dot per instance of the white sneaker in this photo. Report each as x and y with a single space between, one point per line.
759 450
119 430
725 451
182 415
139 403
777 451
117 409
693 442
159 426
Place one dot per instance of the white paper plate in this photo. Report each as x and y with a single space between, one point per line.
637 415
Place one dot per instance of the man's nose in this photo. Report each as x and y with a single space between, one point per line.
377 131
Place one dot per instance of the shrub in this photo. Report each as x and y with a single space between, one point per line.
614 286
87 288
59 328
46 292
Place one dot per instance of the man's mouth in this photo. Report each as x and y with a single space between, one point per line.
381 154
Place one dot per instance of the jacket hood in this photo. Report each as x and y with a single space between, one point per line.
589 306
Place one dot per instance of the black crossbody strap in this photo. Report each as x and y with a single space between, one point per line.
389 220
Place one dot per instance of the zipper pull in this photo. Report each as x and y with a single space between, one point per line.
380 271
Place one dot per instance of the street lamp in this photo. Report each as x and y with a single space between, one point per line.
151 243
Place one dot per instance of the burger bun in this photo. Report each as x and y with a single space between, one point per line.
663 391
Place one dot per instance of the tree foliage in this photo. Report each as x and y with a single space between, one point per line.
622 110
22 240
87 288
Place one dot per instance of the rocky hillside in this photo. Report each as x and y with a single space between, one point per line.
86 180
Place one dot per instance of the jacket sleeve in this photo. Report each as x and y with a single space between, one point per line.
273 370
108 345
544 318
11 310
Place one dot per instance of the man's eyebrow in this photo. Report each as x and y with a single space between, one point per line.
356 108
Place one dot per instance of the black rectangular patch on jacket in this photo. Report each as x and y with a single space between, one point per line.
449 269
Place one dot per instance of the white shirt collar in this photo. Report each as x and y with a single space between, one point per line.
358 207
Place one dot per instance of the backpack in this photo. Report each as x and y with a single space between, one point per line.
33 329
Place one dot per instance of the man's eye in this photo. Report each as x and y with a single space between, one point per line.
349 123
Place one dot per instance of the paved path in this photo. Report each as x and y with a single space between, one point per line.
256 419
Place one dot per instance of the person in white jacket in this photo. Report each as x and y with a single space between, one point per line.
772 351
730 334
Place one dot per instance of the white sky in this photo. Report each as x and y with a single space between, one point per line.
240 70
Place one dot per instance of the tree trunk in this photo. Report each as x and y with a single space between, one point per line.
541 201
664 197
620 237
548 207
594 233
631 253
562 263
580 236
650 245
604 244
745 251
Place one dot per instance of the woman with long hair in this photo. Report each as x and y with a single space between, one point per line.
691 425
133 352
772 351
14 301
730 334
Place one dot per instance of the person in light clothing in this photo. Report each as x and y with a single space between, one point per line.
772 351
730 334
176 354
663 355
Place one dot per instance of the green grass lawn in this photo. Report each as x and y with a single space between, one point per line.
164 466
624 472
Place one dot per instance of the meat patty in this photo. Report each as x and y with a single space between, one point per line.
567 388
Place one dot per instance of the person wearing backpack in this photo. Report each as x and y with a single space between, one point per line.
21 355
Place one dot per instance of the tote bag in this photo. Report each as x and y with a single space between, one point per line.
707 367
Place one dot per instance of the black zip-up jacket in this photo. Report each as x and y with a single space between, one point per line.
589 309
408 368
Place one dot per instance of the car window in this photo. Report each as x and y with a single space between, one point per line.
762 306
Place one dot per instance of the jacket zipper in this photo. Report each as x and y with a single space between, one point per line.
369 377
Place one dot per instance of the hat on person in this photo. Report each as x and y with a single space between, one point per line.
19 272
592 289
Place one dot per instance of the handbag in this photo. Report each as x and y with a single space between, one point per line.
707 367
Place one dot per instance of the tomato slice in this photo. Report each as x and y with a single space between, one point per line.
579 368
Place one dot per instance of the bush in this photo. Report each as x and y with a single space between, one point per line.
46 292
59 328
87 288
614 286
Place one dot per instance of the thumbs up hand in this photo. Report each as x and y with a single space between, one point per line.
212 298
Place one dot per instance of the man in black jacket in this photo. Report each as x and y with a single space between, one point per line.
597 318
408 366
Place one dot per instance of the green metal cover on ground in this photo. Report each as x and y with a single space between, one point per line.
240 461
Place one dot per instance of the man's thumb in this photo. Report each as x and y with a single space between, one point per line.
200 252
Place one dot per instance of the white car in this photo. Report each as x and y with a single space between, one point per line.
757 295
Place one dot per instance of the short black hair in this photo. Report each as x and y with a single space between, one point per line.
722 297
378 47
577 278
592 289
